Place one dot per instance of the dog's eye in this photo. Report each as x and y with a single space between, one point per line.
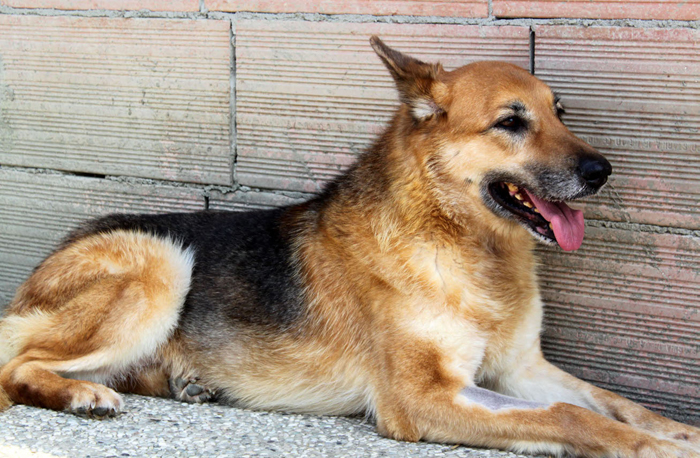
511 123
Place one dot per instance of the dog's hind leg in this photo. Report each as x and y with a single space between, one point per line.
36 382
64 354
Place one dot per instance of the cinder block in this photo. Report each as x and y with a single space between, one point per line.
250 200
635 95
622 312
37 210
149 5
460 8
139 97
607 9
311 96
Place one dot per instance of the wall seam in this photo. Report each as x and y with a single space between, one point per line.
232 105
357 18
532 38
129 179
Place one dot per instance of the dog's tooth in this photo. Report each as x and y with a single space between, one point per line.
528 204
535 210
519 196
550 226
512 187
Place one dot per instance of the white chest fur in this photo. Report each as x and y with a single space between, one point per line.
481 328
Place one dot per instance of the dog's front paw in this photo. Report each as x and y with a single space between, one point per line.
679 433
189 390
687 436
666 449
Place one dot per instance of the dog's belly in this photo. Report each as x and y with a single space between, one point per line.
285 374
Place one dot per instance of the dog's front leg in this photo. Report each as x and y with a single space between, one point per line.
533 378
495 421
421 395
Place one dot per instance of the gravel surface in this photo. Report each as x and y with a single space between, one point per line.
151 427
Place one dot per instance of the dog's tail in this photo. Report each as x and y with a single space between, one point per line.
6 353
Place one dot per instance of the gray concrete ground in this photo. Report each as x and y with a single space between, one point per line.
152 427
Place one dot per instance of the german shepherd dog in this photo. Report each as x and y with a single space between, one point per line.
407 290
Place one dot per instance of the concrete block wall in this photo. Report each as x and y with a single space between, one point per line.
153 106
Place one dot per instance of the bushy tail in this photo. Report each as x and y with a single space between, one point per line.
6 354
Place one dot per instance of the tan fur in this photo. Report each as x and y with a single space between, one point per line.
415 290
133 286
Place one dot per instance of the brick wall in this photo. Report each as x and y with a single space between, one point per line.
152 106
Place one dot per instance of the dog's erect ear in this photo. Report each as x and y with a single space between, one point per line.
416 81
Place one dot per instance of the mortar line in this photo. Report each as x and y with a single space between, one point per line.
532 37
52 12
642 227
358 18
232 103
224 189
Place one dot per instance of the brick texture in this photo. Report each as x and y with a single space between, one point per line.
36 210
606 9
311 96
139 97
149 5
460 8
635 94
622 312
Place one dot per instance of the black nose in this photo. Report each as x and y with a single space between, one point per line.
594 169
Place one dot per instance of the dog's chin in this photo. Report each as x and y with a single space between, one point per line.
544 214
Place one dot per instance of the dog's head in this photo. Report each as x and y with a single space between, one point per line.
491 133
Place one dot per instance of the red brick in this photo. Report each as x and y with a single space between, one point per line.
117 96
462 8
311 96
607 9
622 311
150 5
635 95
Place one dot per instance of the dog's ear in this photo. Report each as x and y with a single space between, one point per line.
416 81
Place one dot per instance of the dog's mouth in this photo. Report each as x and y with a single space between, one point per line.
550 222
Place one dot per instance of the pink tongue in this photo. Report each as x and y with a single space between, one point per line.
567 223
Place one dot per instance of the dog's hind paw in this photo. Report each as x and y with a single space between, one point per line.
94 401
189 390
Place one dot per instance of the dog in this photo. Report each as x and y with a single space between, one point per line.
406 290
